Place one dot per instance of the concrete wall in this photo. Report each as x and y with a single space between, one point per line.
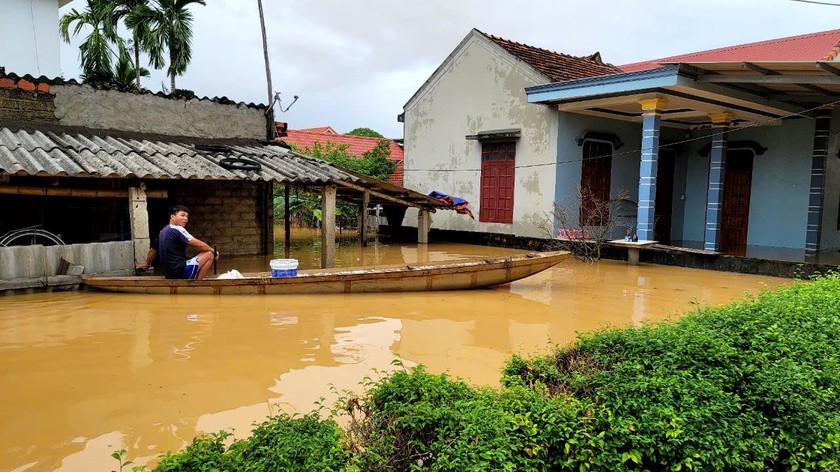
21 262
480 88
29 41
228 214
83 106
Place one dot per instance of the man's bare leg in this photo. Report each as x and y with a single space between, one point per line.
205 261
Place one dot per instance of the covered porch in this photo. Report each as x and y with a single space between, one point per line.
726 157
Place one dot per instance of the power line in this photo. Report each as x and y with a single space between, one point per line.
818 3
639 150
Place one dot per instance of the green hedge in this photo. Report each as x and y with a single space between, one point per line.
749 386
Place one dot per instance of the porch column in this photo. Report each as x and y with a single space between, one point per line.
328 227
817 194
363 218
717 167
651 115
424 222
138 214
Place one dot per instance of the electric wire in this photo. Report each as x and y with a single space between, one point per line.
639 150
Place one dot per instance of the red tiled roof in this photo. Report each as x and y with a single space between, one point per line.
320 130
357 146
820 46
558 67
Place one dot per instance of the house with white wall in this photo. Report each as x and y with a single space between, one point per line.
732 150
470 132
29 40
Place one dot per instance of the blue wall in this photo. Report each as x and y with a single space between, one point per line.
780 184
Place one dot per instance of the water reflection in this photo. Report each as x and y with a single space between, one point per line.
88 373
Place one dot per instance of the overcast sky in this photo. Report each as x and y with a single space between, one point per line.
356 63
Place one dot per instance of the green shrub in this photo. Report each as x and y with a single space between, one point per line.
280 443
750 386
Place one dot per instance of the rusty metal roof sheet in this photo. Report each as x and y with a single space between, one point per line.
60 153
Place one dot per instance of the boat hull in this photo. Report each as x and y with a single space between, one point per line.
459 275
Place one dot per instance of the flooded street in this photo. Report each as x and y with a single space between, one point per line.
88 373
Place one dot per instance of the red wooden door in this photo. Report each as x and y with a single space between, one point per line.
595 176
497 191
498 168
735 213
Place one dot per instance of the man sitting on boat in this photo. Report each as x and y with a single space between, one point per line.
172 247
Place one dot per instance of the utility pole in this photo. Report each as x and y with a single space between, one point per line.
270 125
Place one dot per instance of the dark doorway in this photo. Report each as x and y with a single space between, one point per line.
664 195
595 176
735 214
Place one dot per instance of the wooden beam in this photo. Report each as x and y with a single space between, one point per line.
757 69
74 192
287 222
383 196
363 220
769 79
328 227
828 68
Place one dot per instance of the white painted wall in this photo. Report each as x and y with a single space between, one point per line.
29 41
480 87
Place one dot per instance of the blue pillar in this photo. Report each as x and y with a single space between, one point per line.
717 167
651 116
816 196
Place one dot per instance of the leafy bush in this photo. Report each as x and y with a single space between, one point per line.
750 386
280 443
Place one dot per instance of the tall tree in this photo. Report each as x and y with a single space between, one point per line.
365 132
170 27
140 30
95 51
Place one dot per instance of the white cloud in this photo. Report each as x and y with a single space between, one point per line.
357 63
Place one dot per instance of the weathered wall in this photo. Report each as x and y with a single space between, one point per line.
226 214
25 101
480 88
83 106
21 262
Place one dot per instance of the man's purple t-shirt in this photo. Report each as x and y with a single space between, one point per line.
172 247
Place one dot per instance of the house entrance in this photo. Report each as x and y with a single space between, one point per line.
664 195
735 214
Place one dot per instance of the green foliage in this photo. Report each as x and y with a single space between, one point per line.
747 387
751 386
373 163
167 31
366 132
280 443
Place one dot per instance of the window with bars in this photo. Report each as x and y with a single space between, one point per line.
498 165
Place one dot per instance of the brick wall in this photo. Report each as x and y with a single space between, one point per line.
25 101
228 214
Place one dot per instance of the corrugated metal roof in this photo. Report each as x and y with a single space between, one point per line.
58 153
50 153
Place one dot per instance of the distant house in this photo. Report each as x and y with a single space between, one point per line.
356 145
29 41
731 150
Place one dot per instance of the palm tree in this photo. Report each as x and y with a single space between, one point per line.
170 25
140 30
95 52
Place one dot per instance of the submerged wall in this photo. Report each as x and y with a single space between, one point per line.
37 261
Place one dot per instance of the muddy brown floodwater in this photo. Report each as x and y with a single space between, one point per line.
85 373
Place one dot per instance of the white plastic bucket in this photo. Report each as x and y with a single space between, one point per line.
283 267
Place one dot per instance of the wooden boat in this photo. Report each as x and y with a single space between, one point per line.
456 275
